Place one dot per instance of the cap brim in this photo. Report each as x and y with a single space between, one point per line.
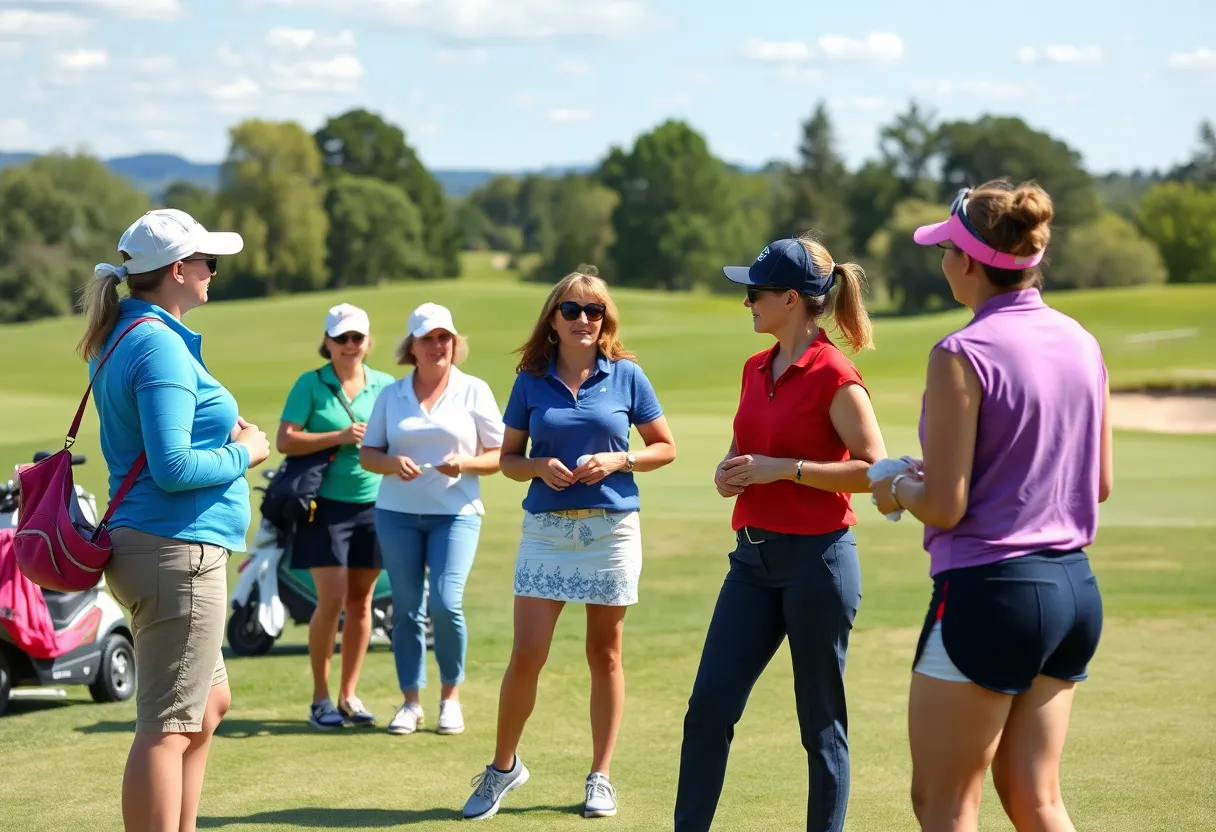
221 243
738 274
931 235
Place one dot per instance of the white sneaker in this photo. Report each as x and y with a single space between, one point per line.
407 720
451 718
601 797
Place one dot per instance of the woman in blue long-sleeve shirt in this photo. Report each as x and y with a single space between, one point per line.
188 509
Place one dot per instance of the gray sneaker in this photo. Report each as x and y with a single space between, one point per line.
490 787
601 797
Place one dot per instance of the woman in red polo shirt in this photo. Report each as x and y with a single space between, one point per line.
804 436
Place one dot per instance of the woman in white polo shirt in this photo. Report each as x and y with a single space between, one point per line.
432 435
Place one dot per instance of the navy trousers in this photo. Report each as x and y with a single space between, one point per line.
806 587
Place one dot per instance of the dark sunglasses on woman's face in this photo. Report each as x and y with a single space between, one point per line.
357 337
212 262
571 310
753 292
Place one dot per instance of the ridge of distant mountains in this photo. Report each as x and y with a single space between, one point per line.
153 172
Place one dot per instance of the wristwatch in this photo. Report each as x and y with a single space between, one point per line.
630 461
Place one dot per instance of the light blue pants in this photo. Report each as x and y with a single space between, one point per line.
410 544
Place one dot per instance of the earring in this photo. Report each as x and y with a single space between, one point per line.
553 339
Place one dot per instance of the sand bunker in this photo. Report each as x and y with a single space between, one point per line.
1161 412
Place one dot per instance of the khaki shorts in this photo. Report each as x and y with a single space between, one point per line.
177 594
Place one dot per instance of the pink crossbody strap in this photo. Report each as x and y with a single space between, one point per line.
129 480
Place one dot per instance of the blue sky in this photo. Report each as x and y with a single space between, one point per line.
519 84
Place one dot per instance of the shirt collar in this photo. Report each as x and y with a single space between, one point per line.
602 365
134 308
1019 300
813 349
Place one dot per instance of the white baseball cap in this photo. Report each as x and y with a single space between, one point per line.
165 236
429 317
346 318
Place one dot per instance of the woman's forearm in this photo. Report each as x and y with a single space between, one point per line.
910 493
517 467
652 457
377 461
483 464
301 443
843 477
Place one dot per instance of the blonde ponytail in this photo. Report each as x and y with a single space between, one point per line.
850 312
101 312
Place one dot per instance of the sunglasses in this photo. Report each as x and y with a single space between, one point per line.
357 337
571 310
753 292
212 262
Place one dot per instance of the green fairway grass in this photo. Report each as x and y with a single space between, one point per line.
1140 756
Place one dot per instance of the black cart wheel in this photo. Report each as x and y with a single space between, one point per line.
245 635
116 677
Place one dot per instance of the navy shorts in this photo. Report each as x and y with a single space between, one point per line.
1002 624
341 534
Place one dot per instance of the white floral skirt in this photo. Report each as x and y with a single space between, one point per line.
595 559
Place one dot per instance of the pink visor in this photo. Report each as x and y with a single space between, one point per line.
956 232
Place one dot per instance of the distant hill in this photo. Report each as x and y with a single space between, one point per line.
153 172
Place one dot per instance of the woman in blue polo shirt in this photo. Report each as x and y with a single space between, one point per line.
576 394
339 547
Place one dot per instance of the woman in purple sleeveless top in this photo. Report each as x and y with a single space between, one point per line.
1017 457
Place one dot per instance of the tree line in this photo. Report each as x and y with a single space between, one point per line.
352 204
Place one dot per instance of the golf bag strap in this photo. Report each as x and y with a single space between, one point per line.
338 395
71 437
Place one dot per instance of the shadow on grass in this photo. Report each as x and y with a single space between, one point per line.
230 729
319 818
19 706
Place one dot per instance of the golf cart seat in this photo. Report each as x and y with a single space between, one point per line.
64 606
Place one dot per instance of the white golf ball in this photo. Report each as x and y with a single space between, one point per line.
582 460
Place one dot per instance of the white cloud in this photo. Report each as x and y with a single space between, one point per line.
700 79
675 101
242 89
81 59
523 99
155 65
9 50
574 68
775 51
1201 60
30 24
289 39
14 132
1061 53
880 47
461 57
517 20
139 9
337 74
793 74
570 116
978 88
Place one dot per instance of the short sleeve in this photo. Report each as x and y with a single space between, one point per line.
516 414
298 407
644 407
375 435
486 416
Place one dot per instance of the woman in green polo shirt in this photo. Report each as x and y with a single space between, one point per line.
339 547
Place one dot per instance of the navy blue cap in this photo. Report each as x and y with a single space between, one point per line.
784 263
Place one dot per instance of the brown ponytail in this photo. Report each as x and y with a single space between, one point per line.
846 299
850 312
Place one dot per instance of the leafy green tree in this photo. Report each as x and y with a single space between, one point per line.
1201 169
583 232
819 187
998 147
676 214
59 215
272 192
362 143
375 233
195 200
873 193
912 272
909 145
1181 219
1106 252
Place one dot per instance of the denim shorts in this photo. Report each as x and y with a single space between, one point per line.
1001 624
